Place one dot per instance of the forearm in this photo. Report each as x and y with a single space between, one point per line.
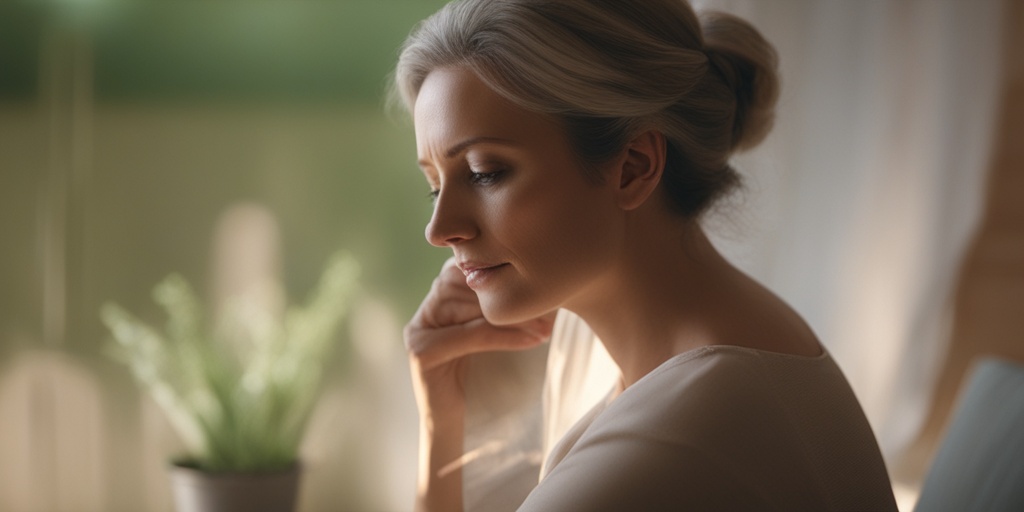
447 328
439 486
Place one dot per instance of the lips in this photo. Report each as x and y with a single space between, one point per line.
478 274
469 267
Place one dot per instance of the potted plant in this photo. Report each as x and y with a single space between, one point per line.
239 391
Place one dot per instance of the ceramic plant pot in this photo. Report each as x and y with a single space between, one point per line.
201 491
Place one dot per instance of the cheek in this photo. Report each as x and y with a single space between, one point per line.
561 229
559 232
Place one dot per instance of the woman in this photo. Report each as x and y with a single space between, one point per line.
571 148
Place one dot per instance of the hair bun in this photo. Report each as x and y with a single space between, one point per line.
749 64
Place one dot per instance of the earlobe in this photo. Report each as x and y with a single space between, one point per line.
641 168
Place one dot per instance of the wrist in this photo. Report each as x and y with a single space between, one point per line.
443 421
439 485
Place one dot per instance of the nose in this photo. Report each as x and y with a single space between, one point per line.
452 221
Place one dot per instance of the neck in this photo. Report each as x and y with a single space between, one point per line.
667 295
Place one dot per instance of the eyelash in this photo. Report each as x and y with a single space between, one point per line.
477 178
486 178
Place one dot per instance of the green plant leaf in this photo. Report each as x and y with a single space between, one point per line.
239 405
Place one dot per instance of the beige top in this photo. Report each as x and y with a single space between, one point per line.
721 428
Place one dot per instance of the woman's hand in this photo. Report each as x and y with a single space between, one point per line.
449 326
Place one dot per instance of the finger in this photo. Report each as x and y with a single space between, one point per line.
450 284
450 272
438 311
434 347
448 302
541 326
452 279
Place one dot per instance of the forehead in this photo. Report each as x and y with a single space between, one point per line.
454 105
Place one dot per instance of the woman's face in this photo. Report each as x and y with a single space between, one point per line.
528 229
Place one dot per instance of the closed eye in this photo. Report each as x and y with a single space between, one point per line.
486 178
476 178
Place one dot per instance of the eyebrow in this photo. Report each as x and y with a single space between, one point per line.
464 145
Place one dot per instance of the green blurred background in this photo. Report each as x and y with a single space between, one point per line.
126 131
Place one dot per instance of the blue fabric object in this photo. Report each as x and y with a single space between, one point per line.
980 464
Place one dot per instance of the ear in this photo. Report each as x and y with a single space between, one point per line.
640 169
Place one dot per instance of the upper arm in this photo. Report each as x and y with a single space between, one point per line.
632 473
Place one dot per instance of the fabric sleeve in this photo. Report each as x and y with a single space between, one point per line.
630 473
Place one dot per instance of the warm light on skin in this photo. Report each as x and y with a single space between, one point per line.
511 192
512 200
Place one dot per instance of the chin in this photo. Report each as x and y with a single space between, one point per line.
501 313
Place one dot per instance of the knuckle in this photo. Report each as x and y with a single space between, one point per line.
411 335
454 272
435 285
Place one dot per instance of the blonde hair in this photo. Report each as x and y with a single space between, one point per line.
611 69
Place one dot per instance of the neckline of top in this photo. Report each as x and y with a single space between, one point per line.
708 350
